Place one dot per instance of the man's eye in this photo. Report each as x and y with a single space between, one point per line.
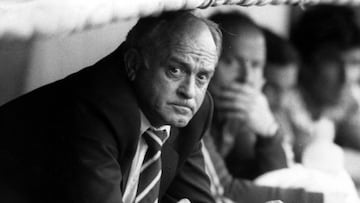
203 78
175 71
257 64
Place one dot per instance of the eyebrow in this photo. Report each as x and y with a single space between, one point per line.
187 66
178 60
208 72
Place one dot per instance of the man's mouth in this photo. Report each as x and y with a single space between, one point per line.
182 109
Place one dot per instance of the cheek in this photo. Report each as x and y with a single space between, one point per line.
271 94
259 79
158 89
329 74
164 92
200 97
167 93
225 73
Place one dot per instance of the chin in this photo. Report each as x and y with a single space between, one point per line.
179 122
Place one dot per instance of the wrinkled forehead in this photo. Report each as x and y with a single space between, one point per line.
191 36
191 31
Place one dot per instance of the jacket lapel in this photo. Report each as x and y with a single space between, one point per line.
114 98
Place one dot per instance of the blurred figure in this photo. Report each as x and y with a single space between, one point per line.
281 70
244 128
237 84
281 73
328 40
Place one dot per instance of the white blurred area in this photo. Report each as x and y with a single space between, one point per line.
56 57
26 65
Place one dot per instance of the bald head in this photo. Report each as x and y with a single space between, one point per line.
153 33
235 25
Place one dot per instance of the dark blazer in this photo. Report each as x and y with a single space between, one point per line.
74 140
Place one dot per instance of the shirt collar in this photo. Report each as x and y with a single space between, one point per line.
145 124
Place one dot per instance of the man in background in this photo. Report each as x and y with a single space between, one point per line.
281 74
244 128
243 53
328 40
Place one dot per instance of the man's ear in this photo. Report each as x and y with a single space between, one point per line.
132 63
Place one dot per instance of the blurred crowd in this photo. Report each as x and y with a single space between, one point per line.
287 109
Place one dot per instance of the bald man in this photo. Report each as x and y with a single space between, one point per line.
244 128
82 139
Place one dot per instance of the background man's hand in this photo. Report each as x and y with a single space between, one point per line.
248 105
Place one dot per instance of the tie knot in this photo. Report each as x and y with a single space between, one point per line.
155 138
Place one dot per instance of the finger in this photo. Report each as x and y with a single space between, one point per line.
236 97
242 117
235 89
245 92
232 105
244 88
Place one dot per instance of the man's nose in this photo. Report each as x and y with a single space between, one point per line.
188 87
244 72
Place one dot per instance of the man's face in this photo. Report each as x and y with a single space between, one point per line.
242 61
279 82
173 86
338 71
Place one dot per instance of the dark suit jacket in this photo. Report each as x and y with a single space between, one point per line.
74 140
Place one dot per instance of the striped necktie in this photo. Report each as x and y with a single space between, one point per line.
150 173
